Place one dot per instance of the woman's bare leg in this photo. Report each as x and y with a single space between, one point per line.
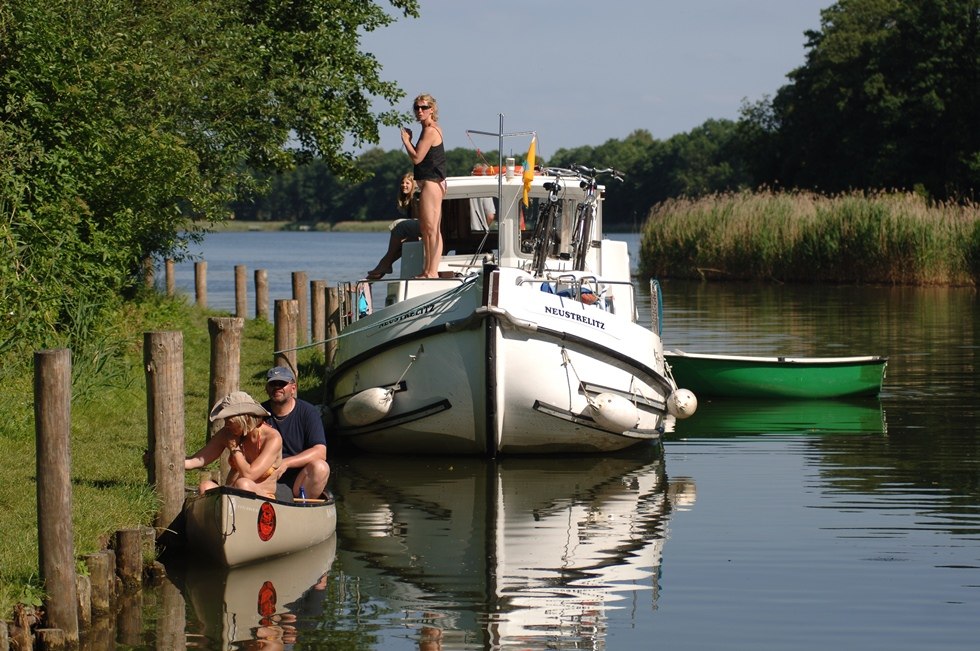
384 265
430 214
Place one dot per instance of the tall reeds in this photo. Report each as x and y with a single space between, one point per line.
879 238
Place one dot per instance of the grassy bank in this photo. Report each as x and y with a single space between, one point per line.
883 238
109 431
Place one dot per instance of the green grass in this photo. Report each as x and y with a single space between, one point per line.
109 430
882 238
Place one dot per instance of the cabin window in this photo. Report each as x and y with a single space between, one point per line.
463 221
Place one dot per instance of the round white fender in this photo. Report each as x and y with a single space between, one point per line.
614 413
367 406
682 403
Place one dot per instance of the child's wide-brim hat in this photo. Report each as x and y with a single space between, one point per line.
236 404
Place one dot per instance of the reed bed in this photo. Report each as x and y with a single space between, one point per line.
880 238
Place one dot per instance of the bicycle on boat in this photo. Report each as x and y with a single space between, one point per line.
546 236
585 214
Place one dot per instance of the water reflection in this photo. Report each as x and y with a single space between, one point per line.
472 554
734 417
254 606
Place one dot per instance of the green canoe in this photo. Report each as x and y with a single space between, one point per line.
738 376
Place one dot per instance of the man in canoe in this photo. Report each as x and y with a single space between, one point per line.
304 471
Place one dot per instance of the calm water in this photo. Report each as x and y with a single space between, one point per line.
776 525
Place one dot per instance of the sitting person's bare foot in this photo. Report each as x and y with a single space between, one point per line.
378 274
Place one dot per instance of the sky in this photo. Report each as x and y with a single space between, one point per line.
581 72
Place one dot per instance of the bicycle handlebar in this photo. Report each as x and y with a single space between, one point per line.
592 172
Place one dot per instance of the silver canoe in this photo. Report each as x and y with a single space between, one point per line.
235 527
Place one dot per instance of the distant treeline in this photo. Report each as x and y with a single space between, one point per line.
887 98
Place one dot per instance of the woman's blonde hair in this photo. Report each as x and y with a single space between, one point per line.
247 422
405 199
431 101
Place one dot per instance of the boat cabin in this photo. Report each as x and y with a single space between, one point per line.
507 239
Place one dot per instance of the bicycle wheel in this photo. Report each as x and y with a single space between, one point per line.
581 238
546 242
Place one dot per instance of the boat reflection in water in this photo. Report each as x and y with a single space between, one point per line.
519 551
734 417
255 605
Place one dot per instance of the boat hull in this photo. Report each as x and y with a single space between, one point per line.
493 367
777 377
236 527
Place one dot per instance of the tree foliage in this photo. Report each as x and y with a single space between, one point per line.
122 119
887 98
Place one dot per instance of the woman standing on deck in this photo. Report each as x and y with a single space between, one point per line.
429 157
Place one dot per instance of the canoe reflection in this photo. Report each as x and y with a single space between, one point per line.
732 417
521 550
253 606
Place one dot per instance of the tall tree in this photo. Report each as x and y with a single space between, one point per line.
121 119
887 97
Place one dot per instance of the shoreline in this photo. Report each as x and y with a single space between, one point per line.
234 226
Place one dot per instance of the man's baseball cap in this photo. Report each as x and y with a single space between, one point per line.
280 374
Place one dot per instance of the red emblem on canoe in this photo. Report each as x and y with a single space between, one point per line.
267 521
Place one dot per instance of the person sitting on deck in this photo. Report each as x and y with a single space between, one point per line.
304 471
402 230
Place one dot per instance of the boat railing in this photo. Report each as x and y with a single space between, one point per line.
589 290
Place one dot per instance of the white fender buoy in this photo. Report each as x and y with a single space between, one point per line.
614 413
682 403
368 406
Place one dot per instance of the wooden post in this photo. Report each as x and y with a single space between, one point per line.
51 639
333 324
241 292
261 294
287 313
101 571
226 346
318 311
52 426
83 585
300 295
149 272
163 359
170 277
201 283
129 558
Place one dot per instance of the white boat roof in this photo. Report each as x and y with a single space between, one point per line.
487 186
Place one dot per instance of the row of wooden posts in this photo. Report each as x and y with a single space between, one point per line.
75 601
320 309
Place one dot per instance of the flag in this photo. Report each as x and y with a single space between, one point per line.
529 168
